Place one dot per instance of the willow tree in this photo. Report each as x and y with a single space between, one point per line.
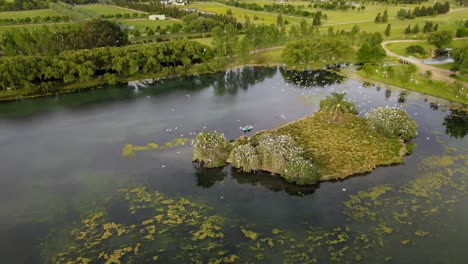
336 105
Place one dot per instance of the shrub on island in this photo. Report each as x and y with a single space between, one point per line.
275 151
211 149
301 171
244 156
392 122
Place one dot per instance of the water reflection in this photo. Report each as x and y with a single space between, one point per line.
272 182
206 178
234 80
311 78
456 124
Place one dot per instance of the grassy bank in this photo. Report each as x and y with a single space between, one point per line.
420 84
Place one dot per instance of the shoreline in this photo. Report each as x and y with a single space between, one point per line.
98 83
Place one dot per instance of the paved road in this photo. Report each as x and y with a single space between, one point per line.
437 73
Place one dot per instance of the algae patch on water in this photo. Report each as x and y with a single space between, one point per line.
129 150
153 227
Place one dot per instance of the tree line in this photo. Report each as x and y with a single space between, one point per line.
36 19
288 9
43 41
418 11
45 74
428 27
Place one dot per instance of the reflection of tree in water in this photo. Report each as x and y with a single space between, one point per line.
456 123
272 182
388 93
208 177
311 78
402 97
232 80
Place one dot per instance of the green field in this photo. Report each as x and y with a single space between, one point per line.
99 10
29 13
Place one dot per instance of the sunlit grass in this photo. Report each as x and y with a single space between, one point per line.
343 148
421 84
29 13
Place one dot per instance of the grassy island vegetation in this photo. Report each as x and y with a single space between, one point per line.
332 144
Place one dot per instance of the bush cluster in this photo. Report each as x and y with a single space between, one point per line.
392 122
416 49
301 172
211 149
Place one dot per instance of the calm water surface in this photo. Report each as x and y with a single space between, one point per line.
61 156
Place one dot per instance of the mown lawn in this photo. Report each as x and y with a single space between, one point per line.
29 13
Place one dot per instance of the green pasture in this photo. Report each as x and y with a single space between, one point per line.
29 13
141 24
99 10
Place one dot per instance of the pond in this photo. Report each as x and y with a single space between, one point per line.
67 192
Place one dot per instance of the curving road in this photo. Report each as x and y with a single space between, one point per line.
437 73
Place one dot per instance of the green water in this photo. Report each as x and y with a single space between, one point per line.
61 163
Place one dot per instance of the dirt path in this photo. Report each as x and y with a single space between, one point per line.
437 73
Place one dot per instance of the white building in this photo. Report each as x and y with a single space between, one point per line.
157 17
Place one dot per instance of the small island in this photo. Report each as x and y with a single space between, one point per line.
332 144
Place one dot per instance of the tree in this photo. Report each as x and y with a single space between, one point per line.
387 30
102 33
378 18
428 74
385 17
370 52
416 29
335 105
244 48
279 21
316 22
440 38
408 30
